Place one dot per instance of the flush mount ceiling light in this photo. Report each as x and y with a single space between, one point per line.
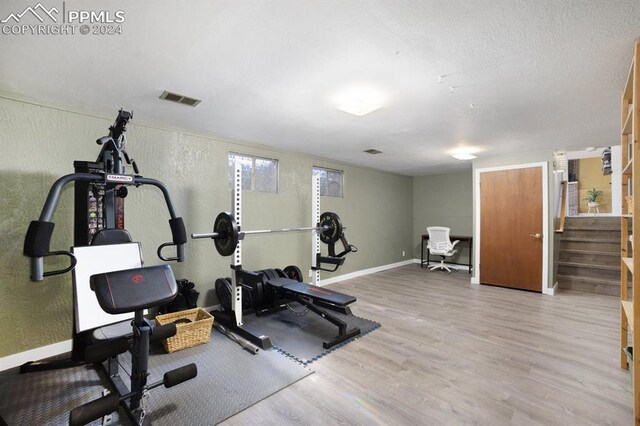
359 100
465 153
463 156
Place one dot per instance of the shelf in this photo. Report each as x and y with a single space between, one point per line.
628 216
627 307
626 130
630 286
628 87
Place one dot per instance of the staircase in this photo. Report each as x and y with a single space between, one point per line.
589 258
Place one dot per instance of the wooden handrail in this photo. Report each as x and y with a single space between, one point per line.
563 208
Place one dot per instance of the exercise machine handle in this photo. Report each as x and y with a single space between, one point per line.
178 230
336 261
38 238
348 248
37 265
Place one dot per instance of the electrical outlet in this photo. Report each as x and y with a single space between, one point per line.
402 253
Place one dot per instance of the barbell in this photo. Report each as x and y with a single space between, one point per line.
226 234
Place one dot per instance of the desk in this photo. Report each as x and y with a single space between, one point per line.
462 238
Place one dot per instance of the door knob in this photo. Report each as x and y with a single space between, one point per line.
538 236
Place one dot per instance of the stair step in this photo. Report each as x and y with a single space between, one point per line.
590 266
591 240
591 257
608 245
589 279
612 222
589 284
589 228
601 272
595 234
615 254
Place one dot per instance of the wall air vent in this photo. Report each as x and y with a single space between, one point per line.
372 151
184 100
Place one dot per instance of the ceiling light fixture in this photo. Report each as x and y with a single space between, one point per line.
464 153
359 100
463 156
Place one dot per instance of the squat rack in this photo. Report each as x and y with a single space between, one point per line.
236 261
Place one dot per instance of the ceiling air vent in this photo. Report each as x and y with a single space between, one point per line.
372 151
184 100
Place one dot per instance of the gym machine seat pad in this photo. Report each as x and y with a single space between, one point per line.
134 289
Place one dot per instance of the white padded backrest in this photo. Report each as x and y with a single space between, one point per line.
439 238
95 260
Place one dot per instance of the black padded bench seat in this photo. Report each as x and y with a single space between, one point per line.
134 289
311 291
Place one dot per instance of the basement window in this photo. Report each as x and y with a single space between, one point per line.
258 174
331 181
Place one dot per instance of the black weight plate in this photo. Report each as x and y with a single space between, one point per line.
227 229
334 227
270 273
293 272
223 291
251 295
258 295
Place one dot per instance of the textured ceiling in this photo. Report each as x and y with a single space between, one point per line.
540 74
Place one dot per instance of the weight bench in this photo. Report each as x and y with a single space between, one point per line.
313 298
271 290
317 295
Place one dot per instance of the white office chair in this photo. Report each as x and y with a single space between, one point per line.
440 245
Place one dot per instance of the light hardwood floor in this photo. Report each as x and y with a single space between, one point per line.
449 352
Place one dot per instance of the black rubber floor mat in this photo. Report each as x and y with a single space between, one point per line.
45 398
229 380
301 337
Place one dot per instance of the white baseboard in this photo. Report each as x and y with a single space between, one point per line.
552 291
455 266
18 359
365 272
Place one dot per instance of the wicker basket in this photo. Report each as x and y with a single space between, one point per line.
197 332
629 199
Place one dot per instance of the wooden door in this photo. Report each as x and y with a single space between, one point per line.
511 234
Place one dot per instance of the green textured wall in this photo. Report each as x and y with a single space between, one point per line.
39 144
443 200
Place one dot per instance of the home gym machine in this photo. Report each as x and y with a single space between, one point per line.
270 290
100 190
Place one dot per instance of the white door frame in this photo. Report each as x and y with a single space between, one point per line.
546 237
